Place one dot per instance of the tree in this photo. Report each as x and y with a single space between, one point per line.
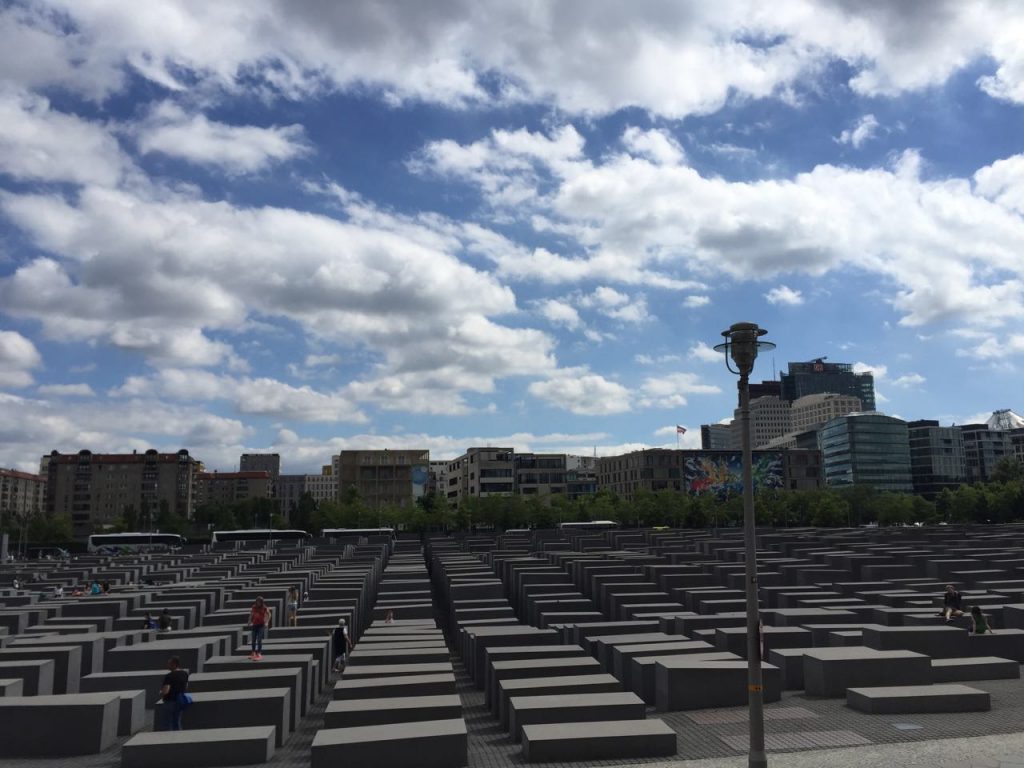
1007 470
302 514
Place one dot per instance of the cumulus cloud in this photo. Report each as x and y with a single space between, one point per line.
865 129
18 356
658 146
695 302
671 391
560 313
66 390
784 295
705 353
941 250
254 396
38 143
583 392
170 130
668 59
908 380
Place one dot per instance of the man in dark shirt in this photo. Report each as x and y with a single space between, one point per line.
342 644
165 620
175 683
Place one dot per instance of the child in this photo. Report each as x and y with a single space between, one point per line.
979 622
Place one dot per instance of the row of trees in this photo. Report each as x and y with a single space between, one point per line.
999 501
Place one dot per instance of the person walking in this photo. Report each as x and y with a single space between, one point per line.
342 644
165 621
260 619
172 694
293 607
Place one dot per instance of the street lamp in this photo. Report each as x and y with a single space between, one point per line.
741 345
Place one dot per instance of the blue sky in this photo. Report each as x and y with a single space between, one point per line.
304 227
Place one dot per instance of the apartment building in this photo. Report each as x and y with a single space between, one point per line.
21 493
226 488
384 477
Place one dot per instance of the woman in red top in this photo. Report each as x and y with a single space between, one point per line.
260 618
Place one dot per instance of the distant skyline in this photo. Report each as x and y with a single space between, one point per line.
305 227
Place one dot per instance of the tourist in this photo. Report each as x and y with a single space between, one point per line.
342 644
105 586
17 584
95 589
165 622
260 619
293 607
172 694
58 591
389 617
149 622
979 622
952 603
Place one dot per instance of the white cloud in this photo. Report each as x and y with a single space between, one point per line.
669 59
908 380
865 130
560 313
670 391
879 372
617 305
38 143
656 145
1003 182
394 286
659 360
784 295
255 396
18 356
705 353
170 130
940 250
694 302
582 392
67 390
319 361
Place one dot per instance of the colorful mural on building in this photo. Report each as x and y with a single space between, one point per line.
722 474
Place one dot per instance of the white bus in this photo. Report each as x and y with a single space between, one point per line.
257 535
134 542
590 525
356 533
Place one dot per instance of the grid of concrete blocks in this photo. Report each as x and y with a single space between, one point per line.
583 647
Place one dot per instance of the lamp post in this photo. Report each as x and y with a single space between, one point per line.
741 345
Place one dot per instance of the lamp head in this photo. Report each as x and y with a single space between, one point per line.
742 345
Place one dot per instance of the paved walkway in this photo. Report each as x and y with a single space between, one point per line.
1003 751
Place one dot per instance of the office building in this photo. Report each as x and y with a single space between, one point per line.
769 419
984 448
383 477
480 472
937 458
817 376
580 476
697 472
21 494
867 449
810 412
717 437
540 474
261 462
98 489
288 489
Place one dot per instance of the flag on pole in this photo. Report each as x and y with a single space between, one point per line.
680 430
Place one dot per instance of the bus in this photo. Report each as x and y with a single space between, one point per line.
589 526
134 542
356 533
258 535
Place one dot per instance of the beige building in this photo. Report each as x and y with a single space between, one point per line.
96 489
383 478
541 474
769 419
226 488
21 493
811 411
289 489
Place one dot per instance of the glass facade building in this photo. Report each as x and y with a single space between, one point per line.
817 376
867 449
936 457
